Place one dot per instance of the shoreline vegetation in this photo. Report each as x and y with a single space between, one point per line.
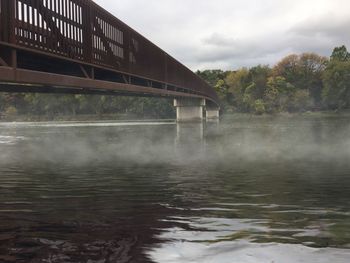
298 84
81 118
134 118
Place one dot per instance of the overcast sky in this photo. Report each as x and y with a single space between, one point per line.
228 34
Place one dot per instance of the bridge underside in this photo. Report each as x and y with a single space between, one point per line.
21 80
29 72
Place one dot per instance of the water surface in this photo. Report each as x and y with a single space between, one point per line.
246 190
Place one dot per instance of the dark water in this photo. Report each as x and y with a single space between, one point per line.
247 190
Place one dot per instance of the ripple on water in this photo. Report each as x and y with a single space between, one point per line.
245 252
6 139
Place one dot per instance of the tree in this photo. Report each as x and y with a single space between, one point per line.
300 101
259 107
278 94
312 67
216 79
340 54
288 68
212 76
283 96
249 97
247 86
336 79
304 72
237 82
259 76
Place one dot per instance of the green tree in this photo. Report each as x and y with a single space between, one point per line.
212 76
304 72
259 76
278 94
300 101
340 54
249 98
288 68
259 107
312 67
336 79
247 86
237 82
216 79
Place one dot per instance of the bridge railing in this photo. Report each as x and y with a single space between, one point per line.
83 31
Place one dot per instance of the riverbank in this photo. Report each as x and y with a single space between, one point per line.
75 118
134 117
287 115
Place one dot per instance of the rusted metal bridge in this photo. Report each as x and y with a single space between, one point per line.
75 46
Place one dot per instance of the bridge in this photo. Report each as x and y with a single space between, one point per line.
77 47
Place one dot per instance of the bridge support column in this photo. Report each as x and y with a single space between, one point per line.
189 110
212 113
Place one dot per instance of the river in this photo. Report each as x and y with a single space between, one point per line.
245 190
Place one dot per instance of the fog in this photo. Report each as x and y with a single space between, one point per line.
242 140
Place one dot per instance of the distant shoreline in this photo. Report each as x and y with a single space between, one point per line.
79 118
130 117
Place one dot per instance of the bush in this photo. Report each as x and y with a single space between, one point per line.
11 110
259 107
300 101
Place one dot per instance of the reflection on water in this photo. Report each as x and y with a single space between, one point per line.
249 189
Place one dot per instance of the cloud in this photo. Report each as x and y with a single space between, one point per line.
229 34
323 26
320 34
216 39
322 31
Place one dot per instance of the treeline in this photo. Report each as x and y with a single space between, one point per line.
59 105
298 83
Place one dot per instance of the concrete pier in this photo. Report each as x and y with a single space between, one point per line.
212 113
189 110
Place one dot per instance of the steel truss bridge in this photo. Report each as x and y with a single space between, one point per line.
75 46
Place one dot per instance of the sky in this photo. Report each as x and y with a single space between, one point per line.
229 34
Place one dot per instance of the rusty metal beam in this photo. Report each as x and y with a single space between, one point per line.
83 70
35 78
126 80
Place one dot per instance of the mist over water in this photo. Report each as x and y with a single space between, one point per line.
247 189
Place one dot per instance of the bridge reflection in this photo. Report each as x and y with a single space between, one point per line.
191 138
188 134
